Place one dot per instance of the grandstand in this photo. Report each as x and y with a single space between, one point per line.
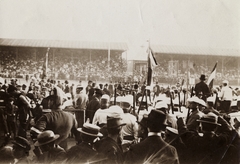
181 60
175 62
77 60
66 59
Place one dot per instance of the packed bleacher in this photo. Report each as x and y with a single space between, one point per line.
62 67
97 68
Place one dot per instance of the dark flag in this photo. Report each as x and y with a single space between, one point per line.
151 64
45 65
212 77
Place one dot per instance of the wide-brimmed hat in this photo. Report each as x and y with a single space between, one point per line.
161 104
209 118
90 129
202 77
46 137
127 100
197 100
172 130
115 109
22 142
114 121
157 117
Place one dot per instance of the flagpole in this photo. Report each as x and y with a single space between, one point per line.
45 66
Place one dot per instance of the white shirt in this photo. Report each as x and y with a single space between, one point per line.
131 127
226 94
100 116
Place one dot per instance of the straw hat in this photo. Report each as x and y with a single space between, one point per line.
46 137
90 129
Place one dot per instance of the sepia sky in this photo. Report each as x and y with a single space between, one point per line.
198 23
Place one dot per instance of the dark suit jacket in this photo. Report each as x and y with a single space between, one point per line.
81 153
92 107
152 146
202 87
59 122
109 150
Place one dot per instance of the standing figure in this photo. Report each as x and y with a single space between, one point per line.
226 97
153 149
59 121
202 87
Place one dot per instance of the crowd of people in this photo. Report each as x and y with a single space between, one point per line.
119 123
63 68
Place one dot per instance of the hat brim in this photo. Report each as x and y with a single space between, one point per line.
209 122
90 134
172 130
46 110
56 136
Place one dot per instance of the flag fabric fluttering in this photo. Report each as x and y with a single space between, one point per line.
45 65
152 62
212 77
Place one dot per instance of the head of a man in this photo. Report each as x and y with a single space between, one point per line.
157 121
104 101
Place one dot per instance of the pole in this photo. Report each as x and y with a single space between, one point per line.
140 105
115 95
109 53
146 99
134 100
179 101
171 103
188 114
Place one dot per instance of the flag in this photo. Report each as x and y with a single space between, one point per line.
45 65
151 64
212 77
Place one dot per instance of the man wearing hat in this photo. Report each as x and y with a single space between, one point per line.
80 102
91 91
100 117
89 86
80 99
21 148
59 121
194 105
142 128
94 104
84 152
153 149
226 97
23 103
209 148
66 87
130 130
108 147
202 87
49 151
